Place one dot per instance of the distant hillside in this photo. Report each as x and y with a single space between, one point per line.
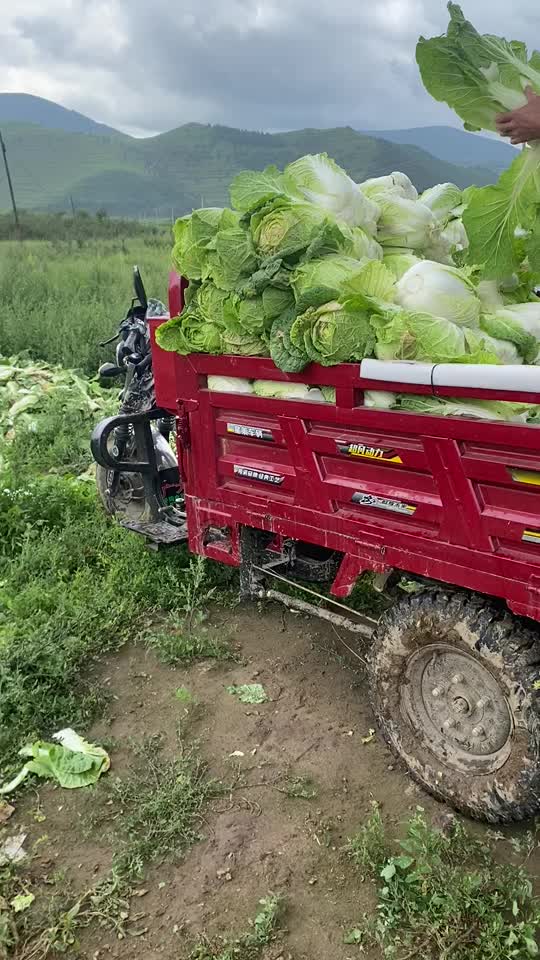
24 108
50 168
193 165
455 146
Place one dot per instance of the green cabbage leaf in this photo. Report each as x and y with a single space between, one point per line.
478 75
71 761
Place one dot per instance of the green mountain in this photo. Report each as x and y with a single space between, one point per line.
24 108
167 175
455 146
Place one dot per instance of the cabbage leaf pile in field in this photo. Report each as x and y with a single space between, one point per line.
27 385
309 266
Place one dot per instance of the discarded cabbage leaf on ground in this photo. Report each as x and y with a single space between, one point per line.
25 386
22 901
71 761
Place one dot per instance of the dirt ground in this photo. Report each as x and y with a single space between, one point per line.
257 838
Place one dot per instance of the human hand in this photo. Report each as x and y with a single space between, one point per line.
521 125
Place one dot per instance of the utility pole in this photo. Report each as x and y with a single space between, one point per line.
10 185
72 206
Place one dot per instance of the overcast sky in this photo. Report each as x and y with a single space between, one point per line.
145 66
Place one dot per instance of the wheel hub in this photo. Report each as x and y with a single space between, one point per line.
129 493
459 705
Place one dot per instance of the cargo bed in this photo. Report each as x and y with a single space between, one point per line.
447 498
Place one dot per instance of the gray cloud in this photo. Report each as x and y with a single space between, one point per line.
257 64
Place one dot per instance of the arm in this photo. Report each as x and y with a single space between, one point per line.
522 125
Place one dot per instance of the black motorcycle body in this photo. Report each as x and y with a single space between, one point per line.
137 473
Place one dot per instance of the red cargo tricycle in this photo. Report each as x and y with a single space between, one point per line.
321 492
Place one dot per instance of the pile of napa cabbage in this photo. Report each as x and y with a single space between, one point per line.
309 266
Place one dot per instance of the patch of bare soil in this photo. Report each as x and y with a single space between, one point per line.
257 838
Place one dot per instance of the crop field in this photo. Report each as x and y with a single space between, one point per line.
250 810
61 297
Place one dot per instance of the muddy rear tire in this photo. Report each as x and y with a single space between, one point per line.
452 683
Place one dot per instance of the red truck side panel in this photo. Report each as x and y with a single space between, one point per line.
451 499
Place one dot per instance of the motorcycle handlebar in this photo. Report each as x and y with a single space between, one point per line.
105 343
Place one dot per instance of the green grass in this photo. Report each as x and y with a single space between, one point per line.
443 895
249 945
73 587
57 914
83 228
73 584
162 803
175 645
59 300
190 639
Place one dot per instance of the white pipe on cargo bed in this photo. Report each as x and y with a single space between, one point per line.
482 375
397 371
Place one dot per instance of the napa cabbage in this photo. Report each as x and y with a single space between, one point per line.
397 184
333 333
192 236
251 316
360 245
505 350
286 355
211 303
372 282
318 281
518 323
275 301
442 200
320 181
400 261
444 291
284 390
404 335
405 223
287 228
229 384
231 258
472 409
71 761
380 399
188 333
455 234
253 188
490 296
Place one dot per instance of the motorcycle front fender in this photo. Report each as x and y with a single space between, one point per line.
149 444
